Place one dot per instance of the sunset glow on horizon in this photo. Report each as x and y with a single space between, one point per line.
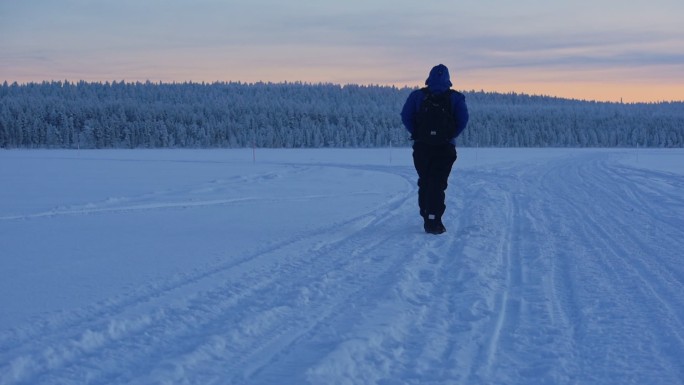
604 50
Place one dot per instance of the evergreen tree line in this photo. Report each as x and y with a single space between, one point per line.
204 115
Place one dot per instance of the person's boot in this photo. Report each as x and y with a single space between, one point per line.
428 225
438 227
433 225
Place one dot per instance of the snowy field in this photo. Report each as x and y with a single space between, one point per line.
560 266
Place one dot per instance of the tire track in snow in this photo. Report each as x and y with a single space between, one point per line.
506 308
628 307
645 316
78 343
439 325
175 198
521 329
141 295
286 338
530 285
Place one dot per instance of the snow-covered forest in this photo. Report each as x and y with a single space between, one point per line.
288 115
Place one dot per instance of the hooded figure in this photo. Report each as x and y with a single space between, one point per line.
438 80
433 162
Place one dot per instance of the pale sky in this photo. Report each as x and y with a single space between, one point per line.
586 49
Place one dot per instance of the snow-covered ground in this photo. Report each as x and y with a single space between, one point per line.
560 266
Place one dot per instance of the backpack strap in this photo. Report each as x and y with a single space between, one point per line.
429 93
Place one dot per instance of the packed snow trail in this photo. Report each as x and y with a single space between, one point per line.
557 271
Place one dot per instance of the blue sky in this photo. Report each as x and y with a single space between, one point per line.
601 49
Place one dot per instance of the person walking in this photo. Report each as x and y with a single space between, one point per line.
434 116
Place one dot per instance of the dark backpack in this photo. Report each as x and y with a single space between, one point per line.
435 122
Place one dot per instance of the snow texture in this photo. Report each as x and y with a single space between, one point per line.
560 266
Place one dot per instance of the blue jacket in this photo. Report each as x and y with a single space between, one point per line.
437 82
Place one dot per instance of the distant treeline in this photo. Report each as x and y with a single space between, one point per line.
203 115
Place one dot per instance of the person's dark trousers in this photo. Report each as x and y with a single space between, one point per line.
433 164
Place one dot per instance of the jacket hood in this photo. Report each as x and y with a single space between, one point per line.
438 80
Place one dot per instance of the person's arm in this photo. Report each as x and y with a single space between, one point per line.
409 111
460 112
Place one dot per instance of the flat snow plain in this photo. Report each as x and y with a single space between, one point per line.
560 266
